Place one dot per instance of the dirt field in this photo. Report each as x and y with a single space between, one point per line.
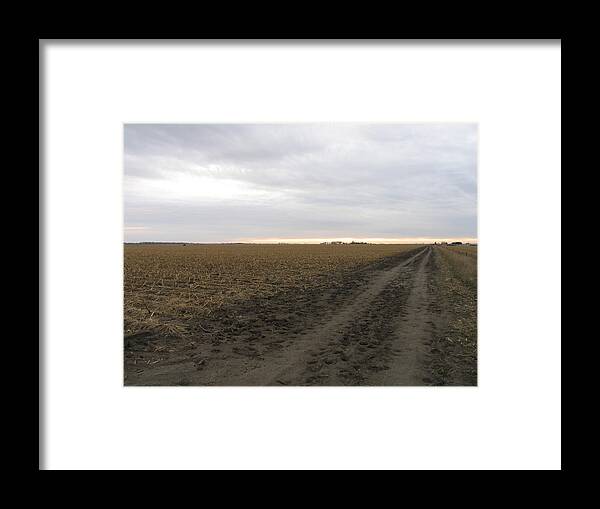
300 315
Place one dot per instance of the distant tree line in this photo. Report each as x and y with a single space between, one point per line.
339 243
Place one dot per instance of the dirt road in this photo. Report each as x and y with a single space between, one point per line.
384 331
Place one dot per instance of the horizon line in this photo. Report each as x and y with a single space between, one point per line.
371 240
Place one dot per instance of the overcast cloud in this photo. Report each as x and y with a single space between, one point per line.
228 183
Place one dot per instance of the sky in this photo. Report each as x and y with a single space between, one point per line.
300 182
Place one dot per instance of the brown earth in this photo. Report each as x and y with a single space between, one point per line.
406 320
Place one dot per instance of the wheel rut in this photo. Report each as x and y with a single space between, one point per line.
340 350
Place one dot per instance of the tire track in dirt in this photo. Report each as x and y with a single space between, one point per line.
319 346
413 330
388 342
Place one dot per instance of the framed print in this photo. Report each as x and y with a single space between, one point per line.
300 255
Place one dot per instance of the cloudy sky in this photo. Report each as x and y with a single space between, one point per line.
300 182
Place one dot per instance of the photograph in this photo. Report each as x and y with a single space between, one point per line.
300 254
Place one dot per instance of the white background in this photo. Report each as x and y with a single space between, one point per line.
512 420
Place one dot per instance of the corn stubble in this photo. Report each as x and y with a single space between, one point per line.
171 290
